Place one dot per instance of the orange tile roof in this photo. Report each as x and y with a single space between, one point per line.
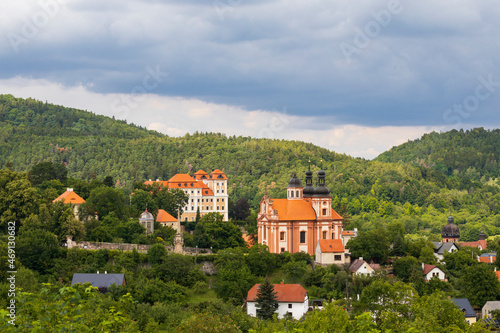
348 232
163 216
70 197
331 245
181 177
200 174
428 268
336 215
217 174
291 293
487 259
248 240
475 244
294 210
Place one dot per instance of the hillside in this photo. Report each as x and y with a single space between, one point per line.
373 193
474 153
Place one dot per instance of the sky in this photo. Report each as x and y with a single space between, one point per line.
356 77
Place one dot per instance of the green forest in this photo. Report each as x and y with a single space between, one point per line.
399 202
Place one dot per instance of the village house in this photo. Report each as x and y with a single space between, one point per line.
292 299
464 305
431 271
361 267
70 197
488 307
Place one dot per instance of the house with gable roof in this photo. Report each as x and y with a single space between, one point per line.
207 192
431 271
464 305
292 299
166 220
70 197
331 251
361 267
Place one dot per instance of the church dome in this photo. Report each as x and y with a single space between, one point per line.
450 230
294 182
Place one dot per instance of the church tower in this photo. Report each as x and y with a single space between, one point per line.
294 188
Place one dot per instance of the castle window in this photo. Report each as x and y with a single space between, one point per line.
282 249
192 218
179 184
217 207
192 200
222 199
207 207
297 194
291 194
217 200
324 234
302 237
324 211
337 257
282 236
333 235
222 208
211 200
222 191
217 191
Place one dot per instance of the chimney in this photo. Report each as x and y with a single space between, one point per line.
495 268
360 258
423 266
97 272
69 189
491 258
105 272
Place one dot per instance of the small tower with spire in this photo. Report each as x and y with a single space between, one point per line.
309 189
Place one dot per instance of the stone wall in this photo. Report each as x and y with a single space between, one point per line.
128 247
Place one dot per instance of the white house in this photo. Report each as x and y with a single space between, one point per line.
441 248
331 251
360 267
488 307
431 270
292 299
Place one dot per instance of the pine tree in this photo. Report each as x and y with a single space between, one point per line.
267 302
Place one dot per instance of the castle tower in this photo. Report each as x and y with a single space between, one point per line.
294 188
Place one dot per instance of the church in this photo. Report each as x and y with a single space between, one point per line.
299 222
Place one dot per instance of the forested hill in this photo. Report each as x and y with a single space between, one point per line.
96 146
93 146
472 153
